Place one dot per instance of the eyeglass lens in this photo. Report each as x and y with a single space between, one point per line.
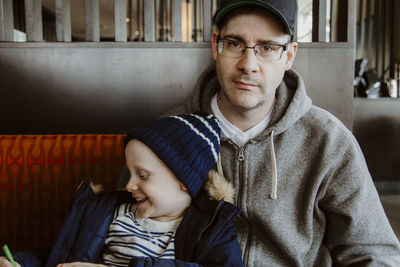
235 48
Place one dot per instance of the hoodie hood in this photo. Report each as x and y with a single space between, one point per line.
292 101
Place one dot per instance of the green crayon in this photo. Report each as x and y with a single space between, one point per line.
8 255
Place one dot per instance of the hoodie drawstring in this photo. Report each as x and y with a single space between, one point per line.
219 165
274 189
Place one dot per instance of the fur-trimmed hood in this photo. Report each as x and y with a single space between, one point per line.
217 187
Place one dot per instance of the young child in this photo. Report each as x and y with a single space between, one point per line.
166 216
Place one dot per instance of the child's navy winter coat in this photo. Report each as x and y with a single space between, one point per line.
206 235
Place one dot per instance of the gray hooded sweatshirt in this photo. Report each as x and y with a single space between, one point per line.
306 193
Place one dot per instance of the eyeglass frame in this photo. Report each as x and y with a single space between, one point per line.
284 47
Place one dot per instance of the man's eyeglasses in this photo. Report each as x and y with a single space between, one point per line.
230 47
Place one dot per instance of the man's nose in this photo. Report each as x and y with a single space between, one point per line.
248 62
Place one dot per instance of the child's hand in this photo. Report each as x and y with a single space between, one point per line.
77 264
4 262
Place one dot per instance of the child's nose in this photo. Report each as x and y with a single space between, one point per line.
131 185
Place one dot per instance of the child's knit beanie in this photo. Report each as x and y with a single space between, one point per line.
188 144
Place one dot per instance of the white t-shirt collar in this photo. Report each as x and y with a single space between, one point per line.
234 133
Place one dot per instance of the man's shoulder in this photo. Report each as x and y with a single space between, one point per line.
324 130
324 121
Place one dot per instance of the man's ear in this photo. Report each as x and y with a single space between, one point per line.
291 54
214 44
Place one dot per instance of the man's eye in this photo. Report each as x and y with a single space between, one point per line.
233 43
266 48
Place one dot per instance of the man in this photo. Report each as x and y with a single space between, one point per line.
300 176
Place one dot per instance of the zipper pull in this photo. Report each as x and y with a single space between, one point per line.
241 154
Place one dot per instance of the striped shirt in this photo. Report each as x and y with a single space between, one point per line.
129 235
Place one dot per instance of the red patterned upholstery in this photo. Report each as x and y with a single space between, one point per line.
39 175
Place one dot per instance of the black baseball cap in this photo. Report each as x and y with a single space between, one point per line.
285 10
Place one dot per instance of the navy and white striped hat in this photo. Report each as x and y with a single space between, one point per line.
188 144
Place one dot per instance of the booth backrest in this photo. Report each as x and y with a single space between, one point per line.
102 88
39 175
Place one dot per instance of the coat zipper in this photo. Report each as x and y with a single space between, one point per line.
219 206
220 203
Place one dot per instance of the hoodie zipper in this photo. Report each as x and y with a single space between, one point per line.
240 159
241 154
239 200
